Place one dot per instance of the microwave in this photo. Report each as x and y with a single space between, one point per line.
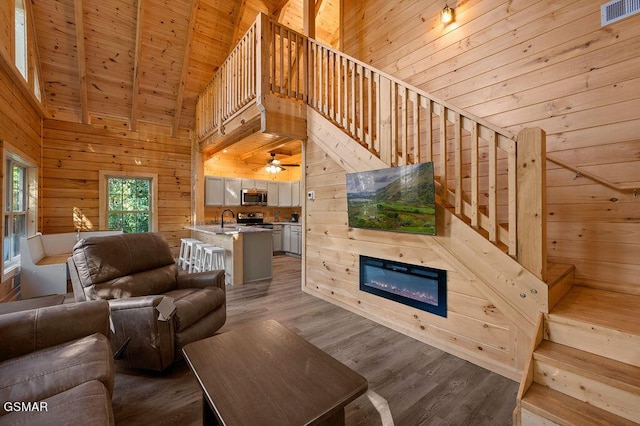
254 197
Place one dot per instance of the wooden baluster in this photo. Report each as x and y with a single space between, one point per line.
404 125
325 60
428 115
289 64
378 124
282 78
337 86
386 112
331 67
493 188
345 93
361 103
352 125
369 138
415 101
393 140
458 164
444 193
512 188
474 175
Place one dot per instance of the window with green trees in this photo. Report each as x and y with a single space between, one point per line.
129 204
15 215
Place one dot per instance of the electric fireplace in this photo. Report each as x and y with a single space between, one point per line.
418 286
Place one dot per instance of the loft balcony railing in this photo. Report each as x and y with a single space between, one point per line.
487 176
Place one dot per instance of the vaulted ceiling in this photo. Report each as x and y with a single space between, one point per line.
133 64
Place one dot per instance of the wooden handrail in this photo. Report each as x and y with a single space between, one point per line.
596 178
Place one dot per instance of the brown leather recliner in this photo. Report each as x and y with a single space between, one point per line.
135 272
58 361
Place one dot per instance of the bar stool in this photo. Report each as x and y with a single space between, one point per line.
186 252
213 258
198 257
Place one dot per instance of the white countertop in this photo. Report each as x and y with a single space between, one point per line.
228 229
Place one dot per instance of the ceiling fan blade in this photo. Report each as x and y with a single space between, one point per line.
291 165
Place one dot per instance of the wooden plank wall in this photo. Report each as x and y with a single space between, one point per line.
534 63
20 121
474 329
73 155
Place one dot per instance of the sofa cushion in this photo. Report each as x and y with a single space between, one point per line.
193 304
101 259
46 372
87 403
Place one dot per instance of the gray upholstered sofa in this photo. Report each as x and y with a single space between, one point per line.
135 273
56 366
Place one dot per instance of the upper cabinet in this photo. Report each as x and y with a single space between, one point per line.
295 193
254 184
284 194
220 191
232 189
273 192
213 191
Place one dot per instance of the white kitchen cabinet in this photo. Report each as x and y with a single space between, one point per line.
277 238
254 184
292 239
296 239
273 189
286 238
213 191
232 189
284 194
295 193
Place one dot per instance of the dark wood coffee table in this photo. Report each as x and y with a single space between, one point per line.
265 374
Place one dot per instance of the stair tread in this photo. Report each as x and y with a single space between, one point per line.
557 271
594 306
566 410
605 370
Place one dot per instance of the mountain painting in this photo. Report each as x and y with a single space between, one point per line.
397 199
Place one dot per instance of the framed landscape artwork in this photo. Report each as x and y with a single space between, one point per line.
399 199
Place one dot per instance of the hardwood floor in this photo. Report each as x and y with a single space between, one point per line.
420 385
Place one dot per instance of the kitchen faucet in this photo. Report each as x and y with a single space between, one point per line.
222 216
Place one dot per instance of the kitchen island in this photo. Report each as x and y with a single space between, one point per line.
248 250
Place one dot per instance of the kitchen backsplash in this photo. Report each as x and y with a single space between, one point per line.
271 214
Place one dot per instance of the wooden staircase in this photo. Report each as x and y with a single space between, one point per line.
585 369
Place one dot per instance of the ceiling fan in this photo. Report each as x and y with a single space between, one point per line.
274 165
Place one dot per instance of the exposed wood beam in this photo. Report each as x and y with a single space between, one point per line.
266 147
236 26
133 122
185 66
277 11
309 12
318 4
82 60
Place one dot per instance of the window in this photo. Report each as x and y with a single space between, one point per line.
16 206
20 33
129 202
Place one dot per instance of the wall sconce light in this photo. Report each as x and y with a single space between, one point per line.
446 15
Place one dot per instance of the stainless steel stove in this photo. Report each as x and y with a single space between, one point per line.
253 219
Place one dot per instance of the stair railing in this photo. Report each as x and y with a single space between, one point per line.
481 168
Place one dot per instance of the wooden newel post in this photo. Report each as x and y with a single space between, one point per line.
532 201
263 42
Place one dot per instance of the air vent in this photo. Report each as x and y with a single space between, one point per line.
618 9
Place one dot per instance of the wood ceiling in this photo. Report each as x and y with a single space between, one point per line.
134 64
